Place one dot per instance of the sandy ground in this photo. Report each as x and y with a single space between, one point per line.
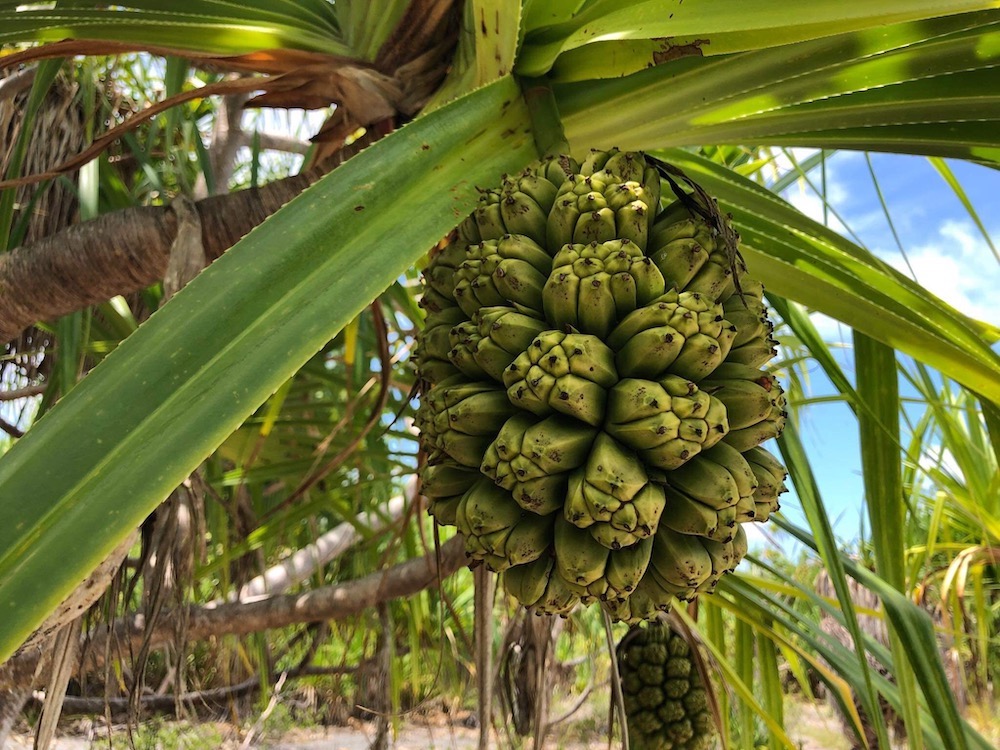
812 727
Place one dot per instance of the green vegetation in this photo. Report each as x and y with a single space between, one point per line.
261 411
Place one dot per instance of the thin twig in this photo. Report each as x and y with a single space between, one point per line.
271 705
617 698
27 392
11 429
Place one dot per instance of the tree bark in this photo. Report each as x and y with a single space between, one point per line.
327 603
122 252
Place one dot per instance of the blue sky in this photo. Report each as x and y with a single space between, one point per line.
947 254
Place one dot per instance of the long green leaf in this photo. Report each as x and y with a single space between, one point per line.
767 660
742 689
46 74
802 260
723 26
713 627
485 50
878 424
301 13
750 604
744 643
805 331
233 32
956 186
825 542
747 599
173 391
366 31
890 90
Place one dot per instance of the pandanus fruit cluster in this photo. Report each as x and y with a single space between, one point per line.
594 400
665 695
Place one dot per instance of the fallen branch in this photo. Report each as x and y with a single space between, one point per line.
301 564
212 697
240 618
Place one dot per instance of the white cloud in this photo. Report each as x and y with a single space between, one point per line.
830 329
755 536
809 202
958 266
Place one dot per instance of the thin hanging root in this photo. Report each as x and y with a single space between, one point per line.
617 698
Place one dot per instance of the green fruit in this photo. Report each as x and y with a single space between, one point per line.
687 565
748 313
755 407
617 200
508 272
594 571
756 352
433 301
666 423
442 481
612 496
770 475
591 287
521 205
680 334
539 586
434 341
666 700
592 400
465 417
562 372
503 334
532 456
464 339
439 274
686 515
646 601
690 253
497 530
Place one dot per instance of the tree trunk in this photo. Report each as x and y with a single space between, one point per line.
122 252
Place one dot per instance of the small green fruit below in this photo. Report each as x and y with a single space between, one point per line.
666 700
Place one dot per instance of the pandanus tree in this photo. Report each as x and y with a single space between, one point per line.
446 96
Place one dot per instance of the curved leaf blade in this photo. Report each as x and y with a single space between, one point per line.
915 88
241 30
174 390
723 26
